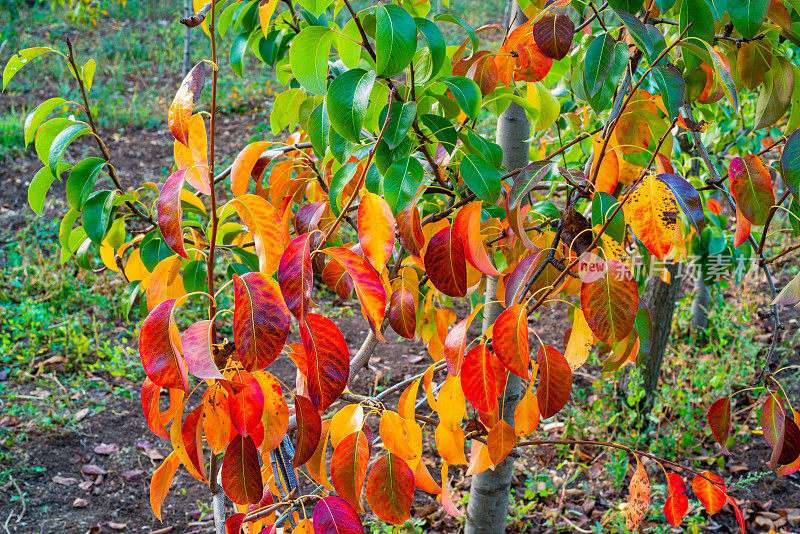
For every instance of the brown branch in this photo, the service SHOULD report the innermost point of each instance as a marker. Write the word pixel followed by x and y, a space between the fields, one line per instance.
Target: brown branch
pixel 198 18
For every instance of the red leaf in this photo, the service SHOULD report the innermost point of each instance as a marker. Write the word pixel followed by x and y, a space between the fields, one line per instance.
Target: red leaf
pixel 349 467
pixel 610 302
pixel 675 484
pixel 332 515
pixel 409 230
pixel 456 342
pixel 337 279
pixel 296 277
pixel 241 474
pixel 247 405
pixel 510 340
pixel 403 313
pixel 791 443
pixel 197 349
pixel 675 508
pixel 719 419
pixel 553 33
pixel 180 111
pixel 308 217
pixel 390 489
pixel 468 224
pixel 328 360
pixel 161 481
pixel 751 187
pixel 712 495
pixel 445 262
pixel 773 424
pixel 367 283
pixel 478 380
pixel 233 525
pixel 192 437
pixel 265 226
pixel 738 512
pixel 555 383
pixel 519 277
pixel 742 233
pixel 170 213
pixel 260 320
pixel 375 230
pixel 309 430
pixel 275 416
pixel 157 419
pixel 160 359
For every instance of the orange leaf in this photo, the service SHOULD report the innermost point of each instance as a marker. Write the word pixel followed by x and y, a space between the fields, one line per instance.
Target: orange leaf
pixel 264 224
pixel 526 414
pixel 216 418
pixel 456 342
pixel 390 489
pixel 194 158
pixel 639 499
pixel 376 230
pixel 510 340
pixel 468 224
pixel 402 437
pixel 501 440
pixel 711 491
pixel 675 508
pixel 243 166
pixel 349 467
pixel 555 384
pixel 275 417
pixel 180 111
pixel 447 502
pixel 161 481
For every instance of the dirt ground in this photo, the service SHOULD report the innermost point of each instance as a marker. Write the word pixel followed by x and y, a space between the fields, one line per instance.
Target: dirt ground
pixel 96 479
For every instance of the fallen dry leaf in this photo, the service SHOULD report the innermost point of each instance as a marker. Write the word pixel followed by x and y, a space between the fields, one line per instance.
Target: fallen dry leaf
pixel 106 448
pixel 80 503
pixel 65 481
pixel 132 475
pixel 93 470
pixel 80 415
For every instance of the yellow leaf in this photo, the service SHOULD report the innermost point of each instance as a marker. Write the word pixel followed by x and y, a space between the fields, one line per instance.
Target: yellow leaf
pixel 346 421
pixel 166 282
pixel 580 341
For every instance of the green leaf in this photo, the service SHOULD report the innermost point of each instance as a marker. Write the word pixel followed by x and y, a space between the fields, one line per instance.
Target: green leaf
pixel 341 148
pixel 347 43
pixel 318 128
pixel 466 93
pixel 67 223
pixel 435 41
pixel 285 109
pixel 62 140
pixel 45 135
pixel 401 117
pixel 317 7
pixel 482 178
pixel 81 181
pixel 37 191
pixel 395 39
pixel 340 179
pixel 96 217
pixel 400 183
pixel 129 297
pixel 630 6
pixel 37 116
pixel 87 72
pixel 603 205
pixel 776 93
pixel 790 163
pixel 458 21
pixel 238 50
pixel 748 16
pixel 385 157
pixel 442 129
pixel 599 60
pixel 22 58
pixel 308 57
pixel 672 88
pixel 485 149
pixel 698 14
pixel 153 249
pixel 638 32
pixel 348 99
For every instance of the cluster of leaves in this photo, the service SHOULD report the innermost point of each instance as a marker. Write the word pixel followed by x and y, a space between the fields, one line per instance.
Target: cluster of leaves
pixel 387 192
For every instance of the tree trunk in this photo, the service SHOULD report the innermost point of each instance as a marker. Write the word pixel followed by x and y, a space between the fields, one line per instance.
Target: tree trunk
pixel 488 500
pixel 188 10
pixel 700 304
pixel 660 299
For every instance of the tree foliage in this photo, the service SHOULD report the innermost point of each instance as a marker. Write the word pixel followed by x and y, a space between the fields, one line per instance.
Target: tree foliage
pixel 387 192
